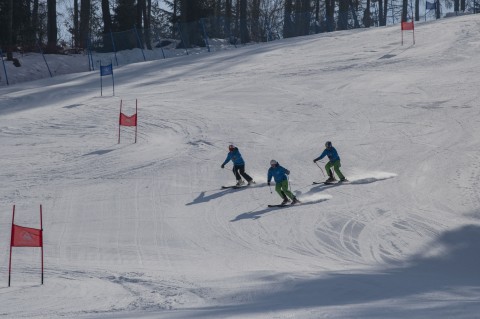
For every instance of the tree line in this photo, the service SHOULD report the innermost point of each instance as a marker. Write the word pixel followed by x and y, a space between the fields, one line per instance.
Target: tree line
pixel 33 24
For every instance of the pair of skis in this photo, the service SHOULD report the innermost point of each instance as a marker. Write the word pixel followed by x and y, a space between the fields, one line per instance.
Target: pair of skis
pixel 237 186
pixel 331 183
pixel 284 205
pixel 271 206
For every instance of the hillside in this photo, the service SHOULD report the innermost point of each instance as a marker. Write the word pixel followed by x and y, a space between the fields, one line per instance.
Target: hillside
pixel 145 231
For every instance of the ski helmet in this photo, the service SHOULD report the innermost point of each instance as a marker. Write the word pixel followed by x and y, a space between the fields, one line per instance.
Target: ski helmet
pixel 273 162
pixel 328 144
pixel 231 147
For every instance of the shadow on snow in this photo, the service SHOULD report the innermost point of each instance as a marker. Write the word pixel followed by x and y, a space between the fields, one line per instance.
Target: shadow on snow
pixel 256 214
pixel 427 279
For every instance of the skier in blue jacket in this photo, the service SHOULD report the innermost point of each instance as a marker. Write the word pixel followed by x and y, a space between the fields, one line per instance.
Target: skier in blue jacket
pixel 238 165
pixel 333 161
pixel 279 175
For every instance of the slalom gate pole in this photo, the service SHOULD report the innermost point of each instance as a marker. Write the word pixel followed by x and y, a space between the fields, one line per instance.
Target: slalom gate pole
pixel 119 121
pixel 113 79
pixel 11 242
pixel 136 119
pixel 41 229
pixel 101 82
pixel 321 169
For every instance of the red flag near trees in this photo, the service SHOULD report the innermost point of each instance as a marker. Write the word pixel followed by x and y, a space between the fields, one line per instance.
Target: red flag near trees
pixel 406 26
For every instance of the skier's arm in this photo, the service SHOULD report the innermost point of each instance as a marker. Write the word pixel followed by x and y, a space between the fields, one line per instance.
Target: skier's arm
pixel 324 153
pixel 229 157
pixel 269 178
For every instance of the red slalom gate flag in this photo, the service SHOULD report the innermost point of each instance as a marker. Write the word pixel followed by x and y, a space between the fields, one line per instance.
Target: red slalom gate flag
pixel 26 237
pixel 407 26
pixel 128 120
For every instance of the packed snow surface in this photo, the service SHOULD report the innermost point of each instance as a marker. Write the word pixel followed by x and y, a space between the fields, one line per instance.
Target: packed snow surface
pixel 144 230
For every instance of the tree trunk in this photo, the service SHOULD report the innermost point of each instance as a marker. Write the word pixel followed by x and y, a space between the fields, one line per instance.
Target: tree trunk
pixel 404 10
pixel 146 23
pixel 51 26
pixel 380 13
pixel 107 17
pixel 107 26
pixel 84 22
pixel 306 13
pixel 256 30
pixel 367 21
pixel 417 10
pixel 228 18
pixel 76 31
pixel 317 16
pixel 329 14
pixel 342 23
pixel 287 20
pixel 244 36
pixel 385 11
pixel 10 31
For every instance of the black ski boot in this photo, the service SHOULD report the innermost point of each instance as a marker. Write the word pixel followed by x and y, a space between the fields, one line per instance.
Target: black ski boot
pixel 330 180
pixel 285 201
pixel 295 201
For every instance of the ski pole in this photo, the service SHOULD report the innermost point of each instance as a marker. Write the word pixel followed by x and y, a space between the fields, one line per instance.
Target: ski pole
pixel 321 169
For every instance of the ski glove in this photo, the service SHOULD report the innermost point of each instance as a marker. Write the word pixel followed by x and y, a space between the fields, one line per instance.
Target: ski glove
pixel 268 183
pixel 223 166
pixel 287 172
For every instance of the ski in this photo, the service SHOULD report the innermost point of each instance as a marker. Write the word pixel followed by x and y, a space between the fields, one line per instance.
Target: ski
pixel 233 186
pixel 330 183
pixel 285 205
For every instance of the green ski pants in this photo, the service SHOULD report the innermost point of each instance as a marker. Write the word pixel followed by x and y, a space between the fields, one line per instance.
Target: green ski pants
pixel 282 189
pixel 336 166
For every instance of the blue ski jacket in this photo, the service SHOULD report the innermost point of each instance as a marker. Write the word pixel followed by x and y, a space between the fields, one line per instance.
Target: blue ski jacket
pixel 235 157
pixel 278 173
pixel 331 153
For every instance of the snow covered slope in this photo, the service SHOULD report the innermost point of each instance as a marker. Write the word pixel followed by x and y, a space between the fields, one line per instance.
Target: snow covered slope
pixel 144 231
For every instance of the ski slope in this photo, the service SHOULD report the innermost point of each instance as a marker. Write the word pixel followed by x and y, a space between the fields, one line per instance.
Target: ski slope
pixel 145 231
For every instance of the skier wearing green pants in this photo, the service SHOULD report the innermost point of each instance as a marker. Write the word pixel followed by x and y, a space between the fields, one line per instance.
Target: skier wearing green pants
pixel 279 175
pixel 333 161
